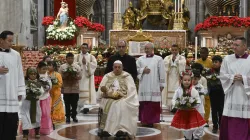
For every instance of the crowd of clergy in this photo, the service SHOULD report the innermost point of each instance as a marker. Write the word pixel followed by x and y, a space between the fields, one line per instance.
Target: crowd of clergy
pixel 219 84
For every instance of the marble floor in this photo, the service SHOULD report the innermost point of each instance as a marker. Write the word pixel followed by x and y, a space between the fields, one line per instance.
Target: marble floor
pixel 86 129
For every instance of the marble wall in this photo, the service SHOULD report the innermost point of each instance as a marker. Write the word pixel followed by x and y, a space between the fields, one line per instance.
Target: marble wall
pixel 15 16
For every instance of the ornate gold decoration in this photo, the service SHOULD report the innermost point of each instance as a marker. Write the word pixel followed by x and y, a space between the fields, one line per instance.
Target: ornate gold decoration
pixel 117 25
pixel 140 36
pixel 156 12
pixel 131 18
pixel 174 37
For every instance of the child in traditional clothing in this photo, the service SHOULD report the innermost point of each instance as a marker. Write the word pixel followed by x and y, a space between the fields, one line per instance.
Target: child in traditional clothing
pixel 46 123
pixel 57 109
pixel 186 99
pixel 216 92
pixel 71 74
pixel 30 109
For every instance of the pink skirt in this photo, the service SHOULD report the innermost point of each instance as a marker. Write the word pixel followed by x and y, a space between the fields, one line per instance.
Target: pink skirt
pixel 46 122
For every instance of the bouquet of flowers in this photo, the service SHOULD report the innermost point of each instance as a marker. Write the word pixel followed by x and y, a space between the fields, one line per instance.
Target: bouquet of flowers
pixel 54 80
pixel 212 78
pixel 185 102
pixel 70 71
pixel 34 90
pixel 45 83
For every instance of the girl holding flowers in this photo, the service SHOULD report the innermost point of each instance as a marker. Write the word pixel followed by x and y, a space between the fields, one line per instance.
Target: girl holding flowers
pixel 30 109
pixel 186 99
pixel 57 109
pixel 46 123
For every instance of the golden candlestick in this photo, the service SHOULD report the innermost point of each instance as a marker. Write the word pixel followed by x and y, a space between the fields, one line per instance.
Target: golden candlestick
pixel 117 25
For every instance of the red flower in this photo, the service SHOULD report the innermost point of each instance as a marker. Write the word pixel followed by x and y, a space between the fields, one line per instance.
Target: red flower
pixel 48 21
pixel 222 21
pixel 97 27
pixel 82 22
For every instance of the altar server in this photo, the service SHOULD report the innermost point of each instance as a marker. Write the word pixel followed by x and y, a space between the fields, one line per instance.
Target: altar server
pixel 88 65
pixel 174 65
pixel 12 86
pixel 152 80
pixel 234 76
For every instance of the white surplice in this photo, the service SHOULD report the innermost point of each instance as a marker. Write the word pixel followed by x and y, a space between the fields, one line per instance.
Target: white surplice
pixel 123 113
pixel 87 83
pixel 11 84
pixel 173 70
pixel 237 94
pixel 149 84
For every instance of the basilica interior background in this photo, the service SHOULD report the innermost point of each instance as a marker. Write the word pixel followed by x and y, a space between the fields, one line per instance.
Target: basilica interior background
pixel 25 17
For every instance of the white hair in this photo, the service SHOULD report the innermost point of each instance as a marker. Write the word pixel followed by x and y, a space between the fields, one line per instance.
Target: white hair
pixel 150 43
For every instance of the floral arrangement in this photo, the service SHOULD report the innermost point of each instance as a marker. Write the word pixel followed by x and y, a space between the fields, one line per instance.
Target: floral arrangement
pixel 221 21
pixel 54 80
pixel 96 27
pixel 54 32
pixel 45 83
pixel 185 102
pixel 49 50
pixel 70 71
pixel 34 90
pixel 48 21
pixel 82 22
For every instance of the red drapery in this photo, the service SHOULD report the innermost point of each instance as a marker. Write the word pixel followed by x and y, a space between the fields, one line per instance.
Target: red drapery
pixel 72 14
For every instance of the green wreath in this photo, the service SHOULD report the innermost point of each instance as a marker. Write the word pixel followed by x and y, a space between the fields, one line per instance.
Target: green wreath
pixel 55 33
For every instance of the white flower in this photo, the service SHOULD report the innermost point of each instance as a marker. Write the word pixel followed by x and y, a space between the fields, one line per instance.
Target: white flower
pixel 191 100
pixel 183 101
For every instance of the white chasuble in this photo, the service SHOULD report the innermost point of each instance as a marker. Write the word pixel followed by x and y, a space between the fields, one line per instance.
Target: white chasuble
pixel 237 93
pixel 149 84
pixel 173 70
pixel 87 83
pixel 121 114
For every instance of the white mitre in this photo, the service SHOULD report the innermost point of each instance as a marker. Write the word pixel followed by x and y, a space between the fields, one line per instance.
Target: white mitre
pixel 118 62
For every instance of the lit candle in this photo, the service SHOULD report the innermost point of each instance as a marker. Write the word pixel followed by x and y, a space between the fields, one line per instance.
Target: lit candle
pixel 81 39
pixel 196 43
pixel 114 6
pixel 181 5
pixel 175 5
pixel 16 40
pixel 178 4
pixel 119 4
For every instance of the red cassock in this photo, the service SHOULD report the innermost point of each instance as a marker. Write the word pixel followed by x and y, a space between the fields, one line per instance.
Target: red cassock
pixel 187 120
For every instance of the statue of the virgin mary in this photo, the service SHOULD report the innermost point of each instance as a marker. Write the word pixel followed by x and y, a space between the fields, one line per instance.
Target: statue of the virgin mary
pixel 63 15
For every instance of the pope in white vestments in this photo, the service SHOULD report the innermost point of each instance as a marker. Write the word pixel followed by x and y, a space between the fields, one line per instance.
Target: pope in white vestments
pixel 119 102
pixel 151 75
pixel 235 80
pixel 174 65
pixel 88 65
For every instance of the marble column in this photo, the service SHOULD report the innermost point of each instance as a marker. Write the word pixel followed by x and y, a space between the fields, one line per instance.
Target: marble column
pixel 192 7
pixel 108 19
pixel 201 11
pixel 41 32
